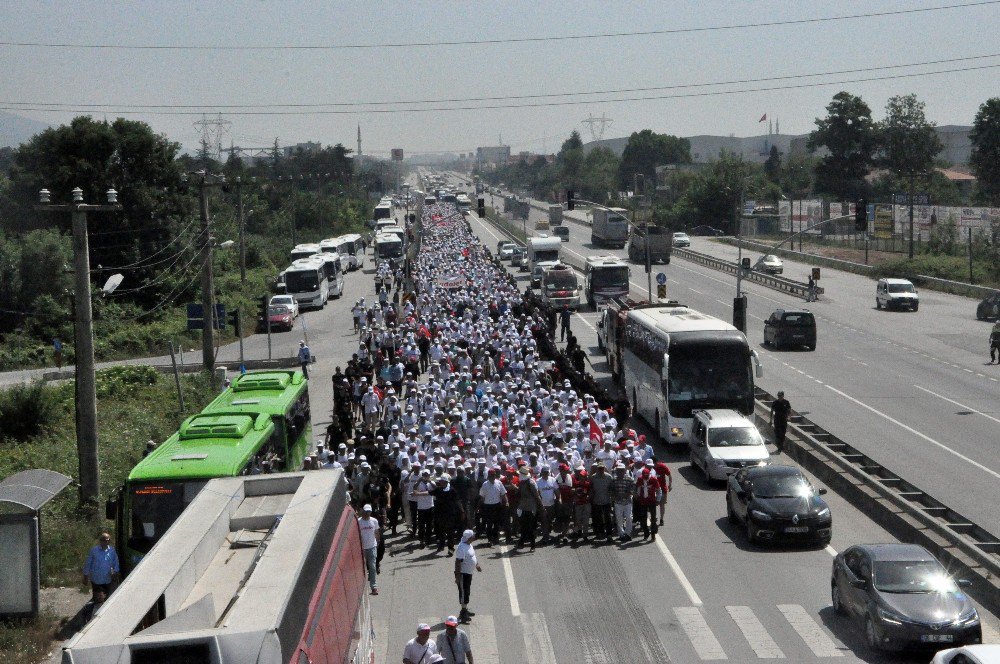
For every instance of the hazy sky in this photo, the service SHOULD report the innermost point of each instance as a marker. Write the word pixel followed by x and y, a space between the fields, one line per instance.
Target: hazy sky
pixel 208 78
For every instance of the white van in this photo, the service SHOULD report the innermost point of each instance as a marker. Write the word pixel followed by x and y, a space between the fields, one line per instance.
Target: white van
pixel 896 293
pixel 723 441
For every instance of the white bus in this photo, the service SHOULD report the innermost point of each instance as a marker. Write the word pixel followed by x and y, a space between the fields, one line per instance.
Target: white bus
pixel 676 360
pixel 388 247
pixel 334 268
pixel 605 277
pixel 305 279
pixel 305 251
pixel 464 203
pixel 352 244
pixel 383 210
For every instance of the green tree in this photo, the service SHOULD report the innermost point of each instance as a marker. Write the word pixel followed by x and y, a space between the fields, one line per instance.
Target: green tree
pixel 849 136
pixel 772 167
pixel 907 140
pixel 570 162
pixel 985 157
pixel 646 150
pixel 600 175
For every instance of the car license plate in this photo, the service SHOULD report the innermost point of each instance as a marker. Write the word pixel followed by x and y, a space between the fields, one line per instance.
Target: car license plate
pixel 797 529
pixel 936 638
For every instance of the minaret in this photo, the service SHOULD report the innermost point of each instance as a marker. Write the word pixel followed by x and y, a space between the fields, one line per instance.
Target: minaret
pixel 359 145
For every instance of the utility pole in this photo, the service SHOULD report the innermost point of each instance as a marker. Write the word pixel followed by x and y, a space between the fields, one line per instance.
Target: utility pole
pixel 85 373
pixel 912 174
pixel 243 262
pixel 207 281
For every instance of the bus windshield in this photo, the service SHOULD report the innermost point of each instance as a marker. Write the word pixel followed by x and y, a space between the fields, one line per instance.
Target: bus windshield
pixel 301 282
pixel 560 280
pixel 709 376
pixel 546 255
pixel 607 277
pixel 155 507
pixel 389 249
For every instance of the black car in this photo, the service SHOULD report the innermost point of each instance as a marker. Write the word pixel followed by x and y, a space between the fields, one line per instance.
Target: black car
pixel 904 598
pixel 705 230
pixel 778 503
pixel 790 328
pixel 989 307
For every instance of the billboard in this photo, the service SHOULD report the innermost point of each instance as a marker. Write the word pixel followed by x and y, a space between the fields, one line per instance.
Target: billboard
pixel 798 215
pixel 926 217
pixel 883 226
pixel 397 154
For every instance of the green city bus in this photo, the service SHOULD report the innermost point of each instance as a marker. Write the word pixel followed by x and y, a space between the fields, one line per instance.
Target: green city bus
pixel 260 424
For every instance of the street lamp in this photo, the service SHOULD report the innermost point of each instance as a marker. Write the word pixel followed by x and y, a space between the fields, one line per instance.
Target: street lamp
pixel 83 328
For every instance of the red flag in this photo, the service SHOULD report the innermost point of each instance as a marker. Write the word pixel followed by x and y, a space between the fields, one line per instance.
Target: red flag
pixel 596 435
pixel 424 332
pixel 379 392
pixel 762 118
pixel 503 428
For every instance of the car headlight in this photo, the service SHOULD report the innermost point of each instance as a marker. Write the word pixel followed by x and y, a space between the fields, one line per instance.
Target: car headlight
pixel 760 516
pixel 823 512
pixel 970 617
pixel 890 616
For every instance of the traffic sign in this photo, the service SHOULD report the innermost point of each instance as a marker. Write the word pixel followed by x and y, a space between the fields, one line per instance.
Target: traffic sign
pixel 196 318
pixel 661 291
pixel 918 199
pixel 661 278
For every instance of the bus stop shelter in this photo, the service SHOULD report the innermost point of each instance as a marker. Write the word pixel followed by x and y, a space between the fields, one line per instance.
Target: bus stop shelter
pixel 22 495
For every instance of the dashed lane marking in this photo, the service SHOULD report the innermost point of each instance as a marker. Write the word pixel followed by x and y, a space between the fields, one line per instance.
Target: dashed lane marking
pixel 755 634
pixel 960 405
pixel 508 573
pixel 537 644
pixel 699 633
pixel 678 572
pixel 810 631
pixel 916 433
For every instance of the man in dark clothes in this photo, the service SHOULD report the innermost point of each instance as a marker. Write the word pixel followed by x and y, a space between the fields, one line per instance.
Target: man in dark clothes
pixel 447 514
pixel 780 408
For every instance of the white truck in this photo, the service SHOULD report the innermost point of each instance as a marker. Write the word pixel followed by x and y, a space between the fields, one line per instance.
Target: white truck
pixel 560 286
pixel 609 227
pixel 555 214
pixel 543 252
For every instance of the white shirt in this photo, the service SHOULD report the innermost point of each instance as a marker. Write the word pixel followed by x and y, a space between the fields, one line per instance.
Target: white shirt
pixel 492 492
pixel 465 553
pixel 547 488
pixel 419 654
pixel 369 532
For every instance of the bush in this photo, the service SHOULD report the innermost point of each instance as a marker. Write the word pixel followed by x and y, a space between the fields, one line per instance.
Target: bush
pixel 26 410
pixel 121 380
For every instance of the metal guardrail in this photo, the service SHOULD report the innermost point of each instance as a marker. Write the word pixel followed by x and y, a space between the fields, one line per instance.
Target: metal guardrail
pixel 775 282
pixel 898 505
pixel 956 287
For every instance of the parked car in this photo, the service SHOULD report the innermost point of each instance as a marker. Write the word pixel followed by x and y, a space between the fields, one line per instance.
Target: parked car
pixel 989 307
pixel 280 317
pixel 505 250
pixel 771 264
pixel 778 503
pixel 903 597
pixel 790 328
pixel 704 230
pixel 286 300
pixel 896 293
pixel 681 240
pixel 561 232
pixel 984 653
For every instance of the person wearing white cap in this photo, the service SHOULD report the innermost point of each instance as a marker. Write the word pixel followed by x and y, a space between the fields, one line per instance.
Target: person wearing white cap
pixel 370 535
pixel 466 564
pixel 453 643
pixel 420 649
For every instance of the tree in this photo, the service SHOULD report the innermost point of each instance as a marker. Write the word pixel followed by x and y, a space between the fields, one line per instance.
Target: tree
pixel 646 150
pixel 772 167
pixel 985 158
pixel 600 175
pixel 570 161
pixel 907 140
pixel 849 135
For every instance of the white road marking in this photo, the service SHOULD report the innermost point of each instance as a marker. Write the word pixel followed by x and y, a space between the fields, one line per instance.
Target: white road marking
pixel 755 634
pixel 699 633
pixel 832 551
pixel 990 634
pixel 483 638
pixel 696 291
pixel 586 322
pixel 917 433
pixel 508 572
pixel 537 644
pixel 960 405
pixel 678 572
pixel 810 631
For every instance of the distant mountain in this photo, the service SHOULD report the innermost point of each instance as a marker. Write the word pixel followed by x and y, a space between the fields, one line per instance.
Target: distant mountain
pixel 15 129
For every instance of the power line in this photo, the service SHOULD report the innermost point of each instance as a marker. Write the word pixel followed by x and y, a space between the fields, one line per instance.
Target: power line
pixel 425 109
pixel 677 86
pixel 481 42
pixel 165 274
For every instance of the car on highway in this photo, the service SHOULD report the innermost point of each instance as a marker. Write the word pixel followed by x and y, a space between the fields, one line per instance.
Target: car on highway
pixel 561 232
pixel 770 264
pixel 896 294
pixel 681 240
pixel 285 300
pixel 790 328
pixel 778 503
pixel 505 250
pixel 989 308
pixel 705 230
pixel 903 597
pixel 280 317
pixel 983 653
pixel 518 258
pixel 723 441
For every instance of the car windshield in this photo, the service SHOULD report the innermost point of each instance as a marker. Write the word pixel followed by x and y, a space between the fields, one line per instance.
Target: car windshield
pixel 281 299
pixel 781 486
pixel 560 280
pixel 279 310
pixel 904 576
pixel 798 319
pixel 506 246
pixel 733 437
pixel 771 259
pixel 900 288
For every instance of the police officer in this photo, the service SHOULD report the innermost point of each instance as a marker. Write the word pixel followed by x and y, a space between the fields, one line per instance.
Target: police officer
pixel 780 408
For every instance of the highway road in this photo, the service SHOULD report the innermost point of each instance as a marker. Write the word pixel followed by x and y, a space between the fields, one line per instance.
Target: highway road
pixel 701 593
pixel 911 390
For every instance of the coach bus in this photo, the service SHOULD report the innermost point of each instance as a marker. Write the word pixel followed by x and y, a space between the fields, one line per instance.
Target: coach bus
pixel 354 249
pixel 676 360
pixel 305 251
pixel 265 569
pixel 306 279
pixel 260 424
pixel 605 277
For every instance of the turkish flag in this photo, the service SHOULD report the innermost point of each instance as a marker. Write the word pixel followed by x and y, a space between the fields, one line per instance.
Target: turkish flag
pixel 503 428
pixel 596 435
pixel 762 118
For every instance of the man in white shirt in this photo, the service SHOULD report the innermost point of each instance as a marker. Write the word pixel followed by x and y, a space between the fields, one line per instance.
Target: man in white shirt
pixel 369 528
pixel 421 648
pixel 492 496
pixel 549 492
pixel 465 564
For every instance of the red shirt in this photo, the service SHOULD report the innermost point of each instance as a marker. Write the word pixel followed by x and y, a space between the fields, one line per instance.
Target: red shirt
pixel 646 488
pixel 581 490
pixel 565 488
pixel 663 476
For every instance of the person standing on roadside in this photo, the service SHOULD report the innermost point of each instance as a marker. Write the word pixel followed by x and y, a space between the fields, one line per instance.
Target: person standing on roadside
pixel 780 408
pixel 421 648
pixel 565 316
pixel 466 564
pixel 453 643
pixel 57 350
pixel 304 358
pixel 995 343
pixel 370 536
pixel 101 569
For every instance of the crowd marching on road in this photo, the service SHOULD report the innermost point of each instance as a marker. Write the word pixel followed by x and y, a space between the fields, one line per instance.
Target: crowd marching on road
pixel 458 420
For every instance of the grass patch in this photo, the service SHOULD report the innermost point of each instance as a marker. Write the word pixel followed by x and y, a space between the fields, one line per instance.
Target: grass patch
pixel 27 641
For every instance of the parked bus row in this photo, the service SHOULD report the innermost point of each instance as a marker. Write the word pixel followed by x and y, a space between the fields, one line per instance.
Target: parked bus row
pixel 316 273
